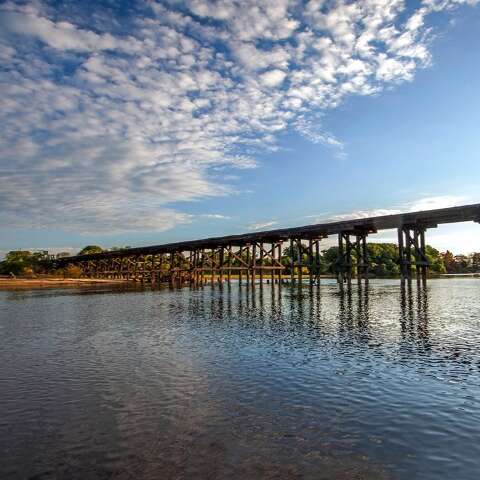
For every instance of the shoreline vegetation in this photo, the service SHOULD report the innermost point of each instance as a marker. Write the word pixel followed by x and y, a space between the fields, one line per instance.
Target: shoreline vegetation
pixel 24 269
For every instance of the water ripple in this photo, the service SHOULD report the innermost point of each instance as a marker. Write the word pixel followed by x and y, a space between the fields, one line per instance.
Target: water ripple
pixel 377 383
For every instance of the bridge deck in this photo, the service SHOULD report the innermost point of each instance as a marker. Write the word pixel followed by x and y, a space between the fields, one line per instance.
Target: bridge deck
pixel 428 219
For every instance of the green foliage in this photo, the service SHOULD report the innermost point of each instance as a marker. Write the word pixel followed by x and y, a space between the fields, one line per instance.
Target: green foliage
pixel 18 262
pixel 90 249
pixel 383 259
pixel 328 260
pixel 435 259
pixel 475 262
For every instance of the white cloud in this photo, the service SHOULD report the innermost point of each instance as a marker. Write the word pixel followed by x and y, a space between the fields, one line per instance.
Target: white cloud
pixel 105 128
pixel 421 204
pixel 262 225
pixel 216 216
pixel 62 35
pixel 272 78
pixel 441 201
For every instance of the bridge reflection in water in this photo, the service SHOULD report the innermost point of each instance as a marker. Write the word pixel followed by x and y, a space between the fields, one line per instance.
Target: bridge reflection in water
pixel 275 381
pixel 254 258
pixel 389 318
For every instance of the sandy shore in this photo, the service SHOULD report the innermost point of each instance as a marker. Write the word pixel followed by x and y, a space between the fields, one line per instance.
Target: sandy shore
pixel 25 283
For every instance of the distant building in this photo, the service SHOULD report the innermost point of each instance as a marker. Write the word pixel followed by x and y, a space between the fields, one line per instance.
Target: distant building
pixel 63 254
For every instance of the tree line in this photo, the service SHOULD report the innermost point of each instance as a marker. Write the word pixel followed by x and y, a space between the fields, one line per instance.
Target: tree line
pixel 383 260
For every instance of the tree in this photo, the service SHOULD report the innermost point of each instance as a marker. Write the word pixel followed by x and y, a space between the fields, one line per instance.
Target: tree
pixel 449 261
pixel 462 263
pixel 328 260
pixel 475 262
pixel 435 259
pixel 383 259
pixel 19 262
pixel 90 249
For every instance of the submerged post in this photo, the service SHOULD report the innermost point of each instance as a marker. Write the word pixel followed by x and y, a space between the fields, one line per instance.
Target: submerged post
pixel 348 260
pixel 425 265
pixel 280 270
pixel 340 260
pixel 317 260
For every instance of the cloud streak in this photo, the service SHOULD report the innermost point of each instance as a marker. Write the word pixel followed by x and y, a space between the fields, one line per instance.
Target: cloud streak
pixel 109 129
pixel 262 225
pixel 419 205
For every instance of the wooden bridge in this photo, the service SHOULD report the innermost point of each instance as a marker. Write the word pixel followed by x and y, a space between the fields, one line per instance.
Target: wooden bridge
pixel 257 257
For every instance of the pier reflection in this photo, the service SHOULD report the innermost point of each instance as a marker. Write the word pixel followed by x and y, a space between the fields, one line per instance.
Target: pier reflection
pixel 414 314
pixel 358 313
pixel 391 319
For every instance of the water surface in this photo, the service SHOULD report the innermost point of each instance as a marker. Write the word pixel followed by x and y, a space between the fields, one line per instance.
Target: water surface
pixel 381 383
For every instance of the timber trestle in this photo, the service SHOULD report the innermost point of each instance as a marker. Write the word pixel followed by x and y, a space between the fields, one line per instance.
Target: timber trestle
pixel 353 244
pixel 291 255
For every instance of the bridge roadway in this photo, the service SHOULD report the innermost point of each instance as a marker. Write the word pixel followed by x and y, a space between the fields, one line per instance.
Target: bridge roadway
pixel 261 252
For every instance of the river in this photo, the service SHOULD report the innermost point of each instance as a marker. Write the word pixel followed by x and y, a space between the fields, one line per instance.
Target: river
pixel 227 383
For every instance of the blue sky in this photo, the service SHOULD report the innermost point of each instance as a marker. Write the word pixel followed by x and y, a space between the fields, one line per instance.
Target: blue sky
pixel 146 122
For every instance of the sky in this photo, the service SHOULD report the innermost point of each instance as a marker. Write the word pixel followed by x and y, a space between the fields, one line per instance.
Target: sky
pixel 145 122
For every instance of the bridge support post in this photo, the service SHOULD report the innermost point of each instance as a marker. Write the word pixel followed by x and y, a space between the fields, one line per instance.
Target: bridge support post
pixel 261 261
pixel 254 264
pixel 279 256
pixel 317 261
pixel 346 250
pixel 344 260
pixel 222 266
pixel 292 263
pixel 313 260
pixel 412 251
pixel 240 269
pixel 299 261
pixel 363 261
pixel 340 259
pixel 272 262
pixel 310 261
pixel 196 271
pixel 214 265
pixel 301 256
pixel 248 264
pixel 229 261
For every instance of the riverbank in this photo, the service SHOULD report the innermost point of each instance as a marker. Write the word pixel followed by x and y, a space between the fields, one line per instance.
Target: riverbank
pixel 28 283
